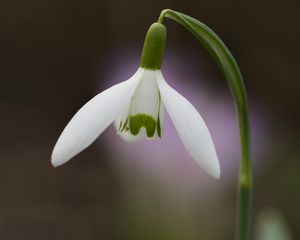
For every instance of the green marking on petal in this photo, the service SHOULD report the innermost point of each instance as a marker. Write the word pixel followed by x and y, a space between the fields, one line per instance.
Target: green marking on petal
pixel 158 120
pixel 158 127
pixel 120 125
pixel 142 120
pixel 124 126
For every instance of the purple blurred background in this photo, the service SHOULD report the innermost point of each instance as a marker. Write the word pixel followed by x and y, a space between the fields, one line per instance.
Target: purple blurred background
pixel 56 55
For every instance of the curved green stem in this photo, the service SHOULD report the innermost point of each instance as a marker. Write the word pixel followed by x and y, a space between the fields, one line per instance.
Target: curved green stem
pixel 235 81
pixel 163 14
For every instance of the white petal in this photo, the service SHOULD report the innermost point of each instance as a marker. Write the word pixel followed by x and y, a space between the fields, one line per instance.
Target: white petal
pixel 146 96
pixel 122 117
pixel 128 137
pixel 92 119
pixel 191 128
pixel 145 103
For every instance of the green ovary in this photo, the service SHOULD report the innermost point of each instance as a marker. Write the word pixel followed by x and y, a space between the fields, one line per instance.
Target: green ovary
pixel 138 121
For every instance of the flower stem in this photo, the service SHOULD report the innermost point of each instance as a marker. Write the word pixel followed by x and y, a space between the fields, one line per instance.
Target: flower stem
pixel 162 15
pixel 231 72
pixel 245 177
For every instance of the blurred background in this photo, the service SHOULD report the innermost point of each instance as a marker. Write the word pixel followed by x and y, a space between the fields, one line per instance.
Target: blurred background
pixel 56 55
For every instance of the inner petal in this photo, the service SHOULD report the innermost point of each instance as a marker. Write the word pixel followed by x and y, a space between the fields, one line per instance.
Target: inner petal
pixel 145 104
pixel 127 136
pixel 121 122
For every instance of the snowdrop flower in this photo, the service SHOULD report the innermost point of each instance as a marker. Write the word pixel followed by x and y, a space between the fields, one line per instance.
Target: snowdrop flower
pixel 137 108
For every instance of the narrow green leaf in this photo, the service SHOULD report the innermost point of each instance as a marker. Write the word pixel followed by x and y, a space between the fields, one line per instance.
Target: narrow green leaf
pixel 231 71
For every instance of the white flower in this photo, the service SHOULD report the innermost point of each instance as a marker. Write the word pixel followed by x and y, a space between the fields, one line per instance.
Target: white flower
pixel 137 107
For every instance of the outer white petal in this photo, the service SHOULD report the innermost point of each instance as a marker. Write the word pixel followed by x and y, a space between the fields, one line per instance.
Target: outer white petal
pixel 191 128
pixel 92 119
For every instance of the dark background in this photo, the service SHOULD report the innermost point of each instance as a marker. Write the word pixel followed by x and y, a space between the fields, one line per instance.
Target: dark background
pixel 56 55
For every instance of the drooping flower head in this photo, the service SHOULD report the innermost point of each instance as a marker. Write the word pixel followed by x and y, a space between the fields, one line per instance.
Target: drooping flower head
pixel 137 108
